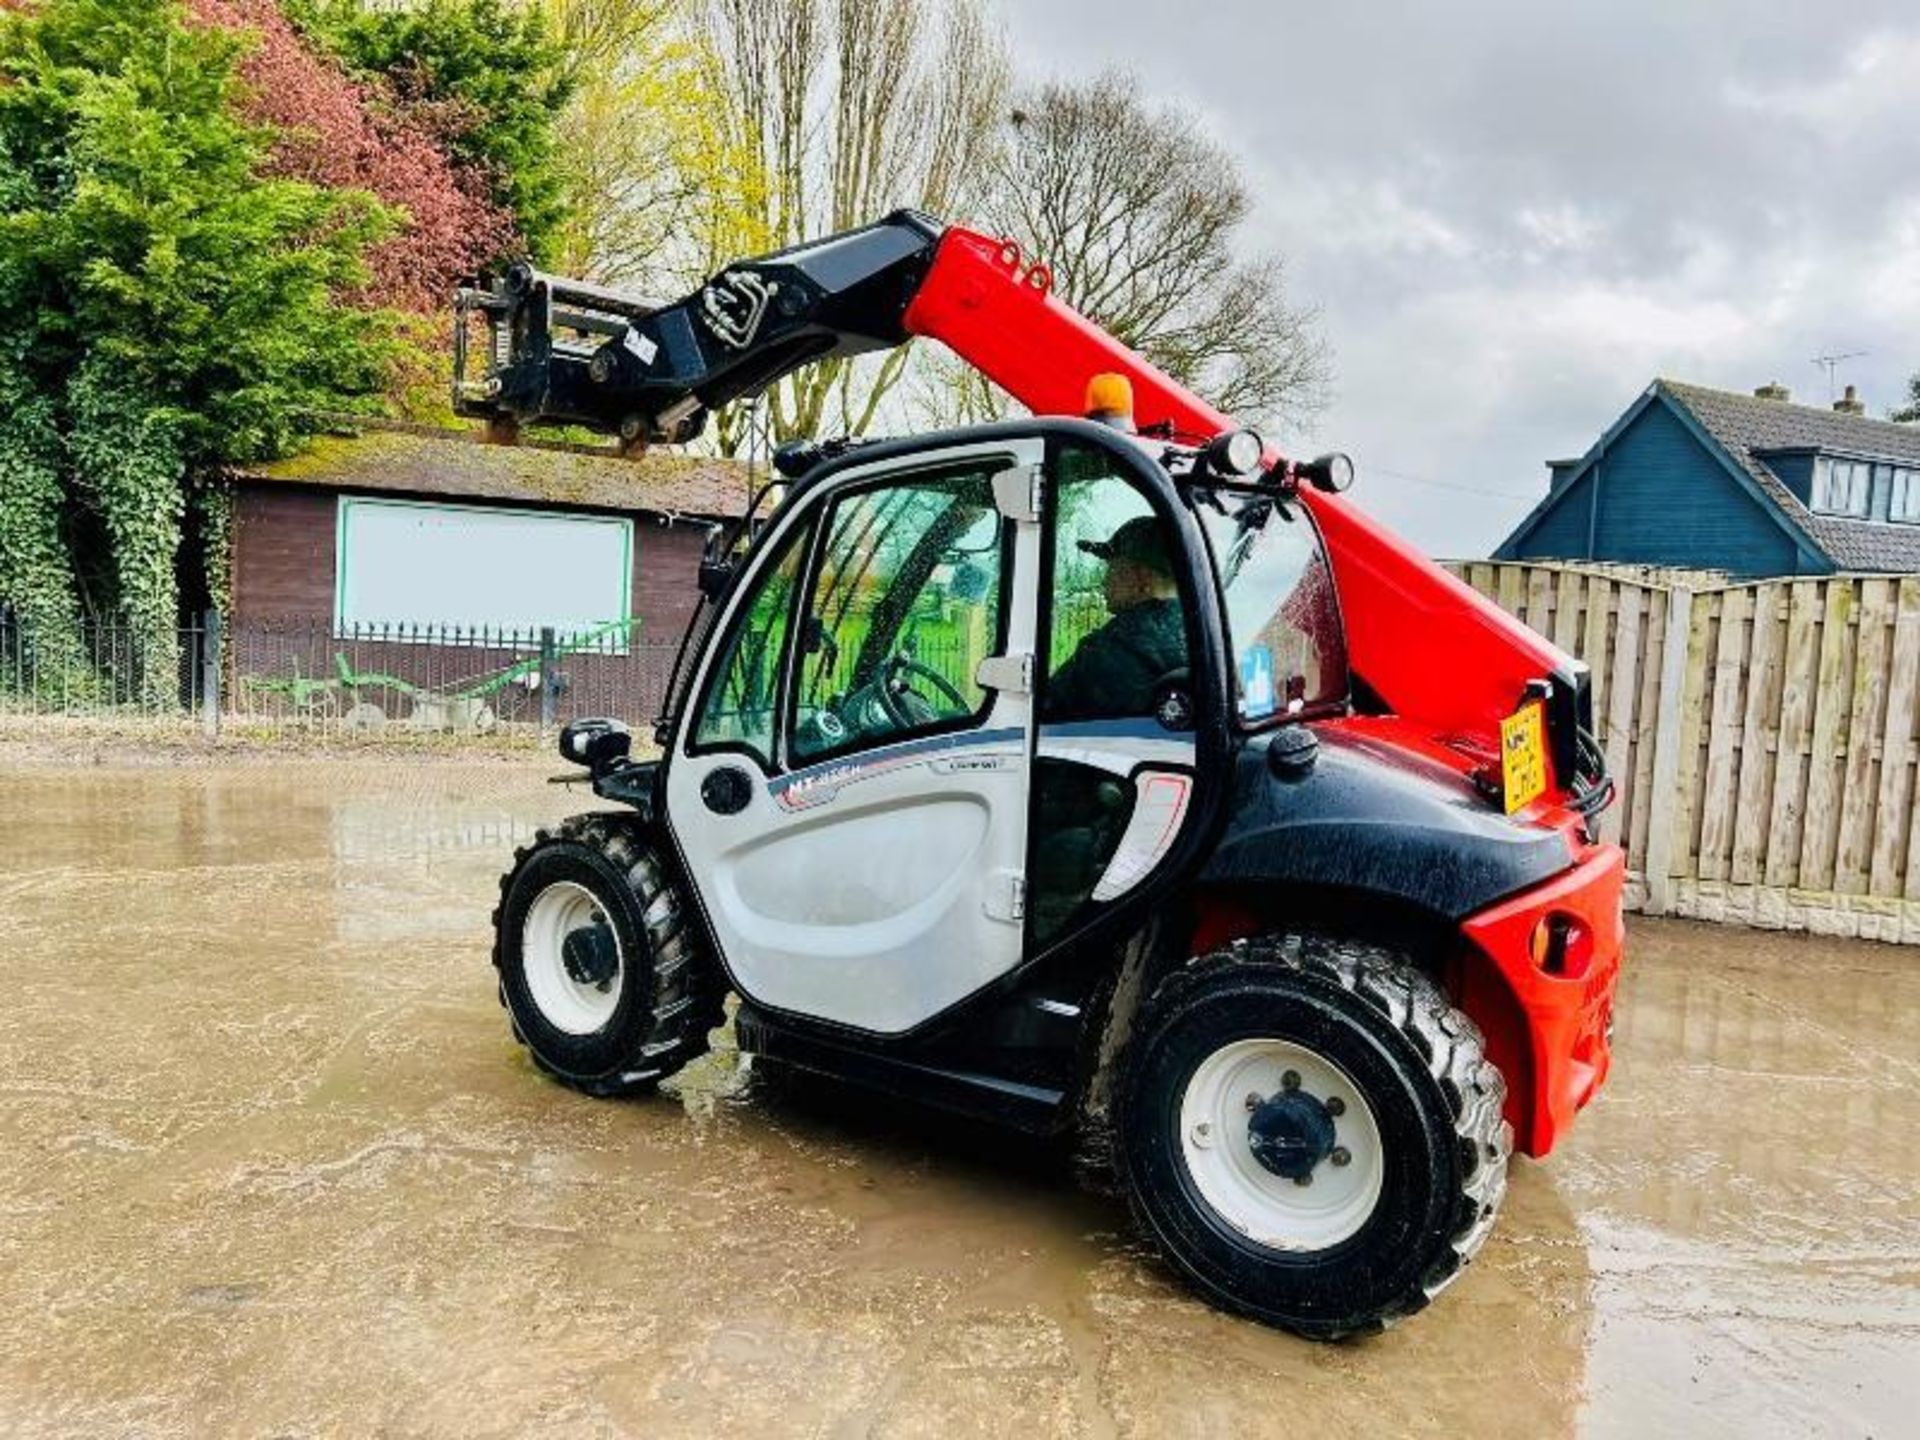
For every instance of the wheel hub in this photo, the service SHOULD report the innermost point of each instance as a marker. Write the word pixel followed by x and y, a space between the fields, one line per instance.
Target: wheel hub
pixel 1281 1144
pixel 591 954
pixel 571 958
pixel 1290 1134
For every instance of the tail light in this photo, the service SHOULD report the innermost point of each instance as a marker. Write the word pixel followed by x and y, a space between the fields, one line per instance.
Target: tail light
pixel 1561 946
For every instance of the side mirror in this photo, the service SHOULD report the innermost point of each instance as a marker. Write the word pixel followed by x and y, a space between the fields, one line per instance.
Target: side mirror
pixel 595 742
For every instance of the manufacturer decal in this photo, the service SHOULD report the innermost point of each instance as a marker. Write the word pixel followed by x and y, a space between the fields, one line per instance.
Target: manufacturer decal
pixel 960 764
pixel 804 789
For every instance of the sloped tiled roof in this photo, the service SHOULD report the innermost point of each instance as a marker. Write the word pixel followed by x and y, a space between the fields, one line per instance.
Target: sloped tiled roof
pixel 1747 427
pixel 460 464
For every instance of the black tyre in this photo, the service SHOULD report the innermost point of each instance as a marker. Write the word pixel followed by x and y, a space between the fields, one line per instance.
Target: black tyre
pixel 607 984
pixel 1311 1133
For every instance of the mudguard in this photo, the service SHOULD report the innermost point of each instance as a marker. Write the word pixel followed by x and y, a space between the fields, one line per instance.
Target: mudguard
pixel 1369 818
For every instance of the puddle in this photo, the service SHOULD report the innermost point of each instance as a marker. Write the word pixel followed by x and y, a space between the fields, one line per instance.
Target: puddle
pixel 270 1163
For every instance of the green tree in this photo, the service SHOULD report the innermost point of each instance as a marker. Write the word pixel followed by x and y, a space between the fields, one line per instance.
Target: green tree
pixel 488 76
pixel 644 163
pixel 1909 413
pixel 168 307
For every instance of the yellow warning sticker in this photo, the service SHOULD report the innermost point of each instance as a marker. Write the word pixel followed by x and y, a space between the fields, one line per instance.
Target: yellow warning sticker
pixel 1523 755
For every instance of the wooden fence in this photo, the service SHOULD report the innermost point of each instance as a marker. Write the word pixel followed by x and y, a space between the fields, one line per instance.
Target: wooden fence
pixel 1764 737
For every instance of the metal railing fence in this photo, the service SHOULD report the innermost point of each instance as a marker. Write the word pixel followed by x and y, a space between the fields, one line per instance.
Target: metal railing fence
pixel 303 674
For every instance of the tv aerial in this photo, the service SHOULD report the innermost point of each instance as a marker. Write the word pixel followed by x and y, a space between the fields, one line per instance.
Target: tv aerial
pixel 1831 363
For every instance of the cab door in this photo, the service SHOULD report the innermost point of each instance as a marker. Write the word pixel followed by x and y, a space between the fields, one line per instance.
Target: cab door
pixel 849 791
pixel 1117 701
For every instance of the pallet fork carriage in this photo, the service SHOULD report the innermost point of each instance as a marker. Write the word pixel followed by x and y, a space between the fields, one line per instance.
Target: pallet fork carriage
pixel 1280 884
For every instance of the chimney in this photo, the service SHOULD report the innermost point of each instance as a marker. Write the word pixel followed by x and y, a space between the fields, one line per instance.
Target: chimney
pixel 1774 390
pixel 1850 403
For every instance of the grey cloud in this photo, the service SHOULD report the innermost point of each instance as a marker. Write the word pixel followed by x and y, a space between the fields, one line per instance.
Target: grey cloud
pixel 1516 215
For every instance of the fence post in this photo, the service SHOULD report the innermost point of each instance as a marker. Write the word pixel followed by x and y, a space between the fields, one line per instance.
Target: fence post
pixel 210 675
pixel 1662 793
pixel 549 693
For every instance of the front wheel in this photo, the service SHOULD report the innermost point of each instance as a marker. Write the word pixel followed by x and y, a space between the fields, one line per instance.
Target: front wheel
pixel 607 982
pixel 1311 1133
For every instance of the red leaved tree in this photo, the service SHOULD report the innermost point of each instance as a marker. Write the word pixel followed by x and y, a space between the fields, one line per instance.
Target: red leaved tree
pixel 341 132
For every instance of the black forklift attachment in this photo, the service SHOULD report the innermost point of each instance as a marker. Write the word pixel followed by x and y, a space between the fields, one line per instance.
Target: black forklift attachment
pixel 560 351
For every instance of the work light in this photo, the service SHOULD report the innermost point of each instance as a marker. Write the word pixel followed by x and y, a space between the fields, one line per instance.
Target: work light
pixel 1235 452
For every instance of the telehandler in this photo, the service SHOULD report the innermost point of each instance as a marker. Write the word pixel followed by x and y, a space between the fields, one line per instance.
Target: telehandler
pixel 1111 776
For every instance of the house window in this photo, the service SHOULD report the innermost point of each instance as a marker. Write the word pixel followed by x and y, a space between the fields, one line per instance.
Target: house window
pixel 406 563
pixel 1843 487
pixel 1904 502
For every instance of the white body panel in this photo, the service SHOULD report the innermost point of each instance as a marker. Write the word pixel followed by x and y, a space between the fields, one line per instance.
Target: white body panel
pixel 879 888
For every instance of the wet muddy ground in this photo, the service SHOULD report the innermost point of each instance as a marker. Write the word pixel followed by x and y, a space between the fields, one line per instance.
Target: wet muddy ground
pixel 269 1165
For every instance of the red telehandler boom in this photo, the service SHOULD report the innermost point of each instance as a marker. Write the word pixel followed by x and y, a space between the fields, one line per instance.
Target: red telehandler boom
pixel 566 352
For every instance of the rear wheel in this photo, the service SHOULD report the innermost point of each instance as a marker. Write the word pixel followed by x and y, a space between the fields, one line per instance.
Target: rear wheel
pixel 1312 1133
pixel 608 987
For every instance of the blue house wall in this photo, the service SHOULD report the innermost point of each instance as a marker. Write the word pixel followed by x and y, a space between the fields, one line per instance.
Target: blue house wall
pixel 1656 495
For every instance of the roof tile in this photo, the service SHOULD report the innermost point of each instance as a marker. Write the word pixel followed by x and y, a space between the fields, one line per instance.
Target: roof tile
pixel 1746 425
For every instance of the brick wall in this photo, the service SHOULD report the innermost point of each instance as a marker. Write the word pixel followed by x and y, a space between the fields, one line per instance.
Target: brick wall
pixel 283 553
pixel 283 561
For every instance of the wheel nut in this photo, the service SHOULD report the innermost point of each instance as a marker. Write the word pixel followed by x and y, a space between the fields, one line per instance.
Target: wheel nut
pixel 1203 1134
pixel 1303 1179
pixel 1290 1080
pixel 1254 1102
pixel 1335 1105
pixel 1340 1155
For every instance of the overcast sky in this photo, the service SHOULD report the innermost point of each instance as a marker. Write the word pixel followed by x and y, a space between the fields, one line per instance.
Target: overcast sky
pixel 1515 216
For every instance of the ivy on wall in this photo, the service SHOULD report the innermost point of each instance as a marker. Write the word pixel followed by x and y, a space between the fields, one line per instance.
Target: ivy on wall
pixel 173 303
pixel 36 574
pixel 127 453
pixel 211 501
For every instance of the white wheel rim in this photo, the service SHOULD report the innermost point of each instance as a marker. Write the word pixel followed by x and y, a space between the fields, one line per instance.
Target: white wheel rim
pixel 566 1003
pixel 1270 1209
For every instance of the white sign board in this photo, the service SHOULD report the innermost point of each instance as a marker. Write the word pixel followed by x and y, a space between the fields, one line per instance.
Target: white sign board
pixel 403 562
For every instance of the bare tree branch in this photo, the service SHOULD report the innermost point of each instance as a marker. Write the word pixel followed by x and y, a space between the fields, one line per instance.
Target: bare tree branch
pixel 1139 215
pixel 848 109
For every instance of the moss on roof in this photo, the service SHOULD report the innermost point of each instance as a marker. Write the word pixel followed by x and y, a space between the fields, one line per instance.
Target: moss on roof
pixel 461 464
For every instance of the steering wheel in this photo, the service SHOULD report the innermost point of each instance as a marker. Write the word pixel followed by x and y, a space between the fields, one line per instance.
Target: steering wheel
pixel 894 692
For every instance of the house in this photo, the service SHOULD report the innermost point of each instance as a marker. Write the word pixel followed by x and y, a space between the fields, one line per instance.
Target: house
pixel 392 525
pixel 396 571
pixel 1753 485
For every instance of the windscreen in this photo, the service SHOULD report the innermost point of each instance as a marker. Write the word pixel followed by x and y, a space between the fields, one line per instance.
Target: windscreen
pixel 1282 613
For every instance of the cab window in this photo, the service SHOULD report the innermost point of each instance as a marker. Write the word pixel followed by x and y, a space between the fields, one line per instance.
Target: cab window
pixel 1117 650
pixel 738 711
pixel 907 600
pixel 1281 609
pixel 1118 638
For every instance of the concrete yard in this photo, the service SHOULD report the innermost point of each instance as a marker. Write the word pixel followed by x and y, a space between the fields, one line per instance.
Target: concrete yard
pixel 271 1165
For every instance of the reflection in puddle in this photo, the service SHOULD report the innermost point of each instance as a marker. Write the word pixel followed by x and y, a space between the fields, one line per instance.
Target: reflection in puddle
pixel 289 1172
